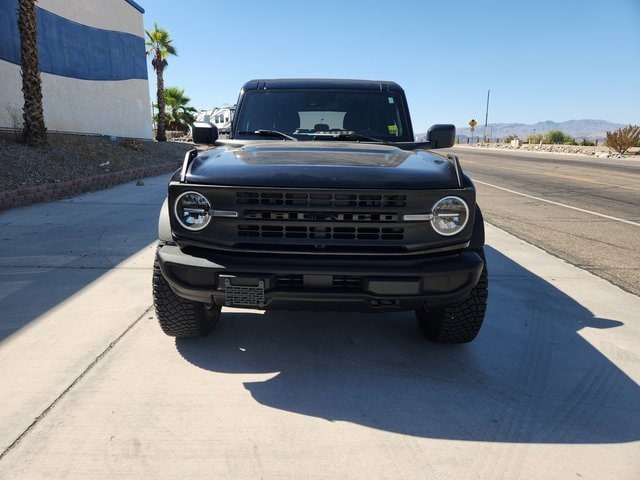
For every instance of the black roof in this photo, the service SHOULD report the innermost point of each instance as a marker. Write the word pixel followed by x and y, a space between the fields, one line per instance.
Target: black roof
pixel 319 83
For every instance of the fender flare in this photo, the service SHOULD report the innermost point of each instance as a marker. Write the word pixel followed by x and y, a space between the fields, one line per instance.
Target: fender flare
pixel 164 224
pixel 477 236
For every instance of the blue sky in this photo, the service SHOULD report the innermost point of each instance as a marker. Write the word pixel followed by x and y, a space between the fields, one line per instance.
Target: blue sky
pixel 542 60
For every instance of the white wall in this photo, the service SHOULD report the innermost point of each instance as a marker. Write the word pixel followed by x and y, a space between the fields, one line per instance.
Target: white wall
pixel 106 14
pixel 121 108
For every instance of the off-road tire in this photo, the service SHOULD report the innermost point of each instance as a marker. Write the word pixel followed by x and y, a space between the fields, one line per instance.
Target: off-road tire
pixel 177 316
pixel 457 323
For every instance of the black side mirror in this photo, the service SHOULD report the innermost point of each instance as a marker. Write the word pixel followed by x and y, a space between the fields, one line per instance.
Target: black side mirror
pixel 204 132
pixel 441 136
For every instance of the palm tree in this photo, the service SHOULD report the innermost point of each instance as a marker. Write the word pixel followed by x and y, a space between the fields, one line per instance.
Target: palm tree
pixel 159 46
pixel 180 113
pixel 34 132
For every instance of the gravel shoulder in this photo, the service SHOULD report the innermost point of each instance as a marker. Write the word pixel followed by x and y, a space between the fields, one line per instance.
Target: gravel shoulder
pixel 576 150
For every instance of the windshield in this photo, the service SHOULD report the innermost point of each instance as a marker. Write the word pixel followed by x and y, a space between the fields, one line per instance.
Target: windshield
pixel 325 114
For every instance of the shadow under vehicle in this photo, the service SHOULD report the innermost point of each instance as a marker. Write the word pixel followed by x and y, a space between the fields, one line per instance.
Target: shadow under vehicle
pixel 530 377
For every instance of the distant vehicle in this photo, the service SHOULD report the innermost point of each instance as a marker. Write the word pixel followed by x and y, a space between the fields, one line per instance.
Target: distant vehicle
pixel 222 118
pixel 204 115
pixel 321 199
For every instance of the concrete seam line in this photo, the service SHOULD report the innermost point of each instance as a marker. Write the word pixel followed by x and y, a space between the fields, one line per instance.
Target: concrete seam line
pixel 629 222
pixel 73 384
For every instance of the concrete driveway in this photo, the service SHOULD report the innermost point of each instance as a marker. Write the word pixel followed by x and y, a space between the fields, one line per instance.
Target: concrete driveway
pixel 91 388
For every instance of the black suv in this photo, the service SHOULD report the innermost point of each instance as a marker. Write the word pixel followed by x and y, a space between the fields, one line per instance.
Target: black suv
pixel 321 199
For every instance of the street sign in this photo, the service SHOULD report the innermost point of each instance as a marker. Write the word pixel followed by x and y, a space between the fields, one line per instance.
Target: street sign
pixel 473 123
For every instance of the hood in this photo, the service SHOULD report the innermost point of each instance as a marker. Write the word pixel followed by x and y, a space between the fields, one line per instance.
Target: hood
pixel 323 165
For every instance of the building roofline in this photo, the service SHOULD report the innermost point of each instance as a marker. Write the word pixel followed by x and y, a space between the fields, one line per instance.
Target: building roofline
pixel 135 5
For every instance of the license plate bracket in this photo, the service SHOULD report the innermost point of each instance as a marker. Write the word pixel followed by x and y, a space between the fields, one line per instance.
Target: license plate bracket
pixel 243 295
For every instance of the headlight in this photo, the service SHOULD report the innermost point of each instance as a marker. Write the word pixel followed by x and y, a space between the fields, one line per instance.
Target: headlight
pixel 450 216
pixel 192 211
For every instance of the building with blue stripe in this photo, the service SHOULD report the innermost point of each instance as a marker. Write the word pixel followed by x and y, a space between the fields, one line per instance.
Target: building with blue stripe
pixel 93 64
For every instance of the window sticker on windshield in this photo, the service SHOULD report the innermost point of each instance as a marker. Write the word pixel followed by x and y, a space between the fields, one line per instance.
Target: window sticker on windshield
pixel 390 100
pixel 393 129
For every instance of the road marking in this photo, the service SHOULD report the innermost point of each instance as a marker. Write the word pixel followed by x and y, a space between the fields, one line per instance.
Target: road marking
pixel 557 175
pixel 609 217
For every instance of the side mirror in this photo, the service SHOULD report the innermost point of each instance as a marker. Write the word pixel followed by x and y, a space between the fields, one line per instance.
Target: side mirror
pixel 441 136
pixel 204 132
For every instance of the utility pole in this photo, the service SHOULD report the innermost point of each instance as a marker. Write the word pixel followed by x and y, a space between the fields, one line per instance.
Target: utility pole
pixel 486 117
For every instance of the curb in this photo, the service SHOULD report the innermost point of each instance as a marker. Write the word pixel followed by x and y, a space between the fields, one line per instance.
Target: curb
pixel 47 192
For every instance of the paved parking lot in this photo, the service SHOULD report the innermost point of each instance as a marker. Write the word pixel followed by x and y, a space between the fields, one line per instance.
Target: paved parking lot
pixel 93 389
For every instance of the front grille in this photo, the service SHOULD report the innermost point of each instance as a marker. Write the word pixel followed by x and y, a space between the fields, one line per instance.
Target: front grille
pixel 320 232
pixel 320 221
pixel 301 199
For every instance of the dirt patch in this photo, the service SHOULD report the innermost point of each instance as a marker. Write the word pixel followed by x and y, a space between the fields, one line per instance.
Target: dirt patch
pixel 74 157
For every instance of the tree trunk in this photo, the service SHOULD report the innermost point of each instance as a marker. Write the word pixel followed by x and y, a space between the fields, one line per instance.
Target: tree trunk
pixel 35 132
pixel 161 135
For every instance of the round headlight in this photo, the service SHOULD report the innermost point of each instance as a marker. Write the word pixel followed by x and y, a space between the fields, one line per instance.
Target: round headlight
pixel 192 211
pixel 450 216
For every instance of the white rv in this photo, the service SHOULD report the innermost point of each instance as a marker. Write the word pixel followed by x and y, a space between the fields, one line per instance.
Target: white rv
pixel 222 118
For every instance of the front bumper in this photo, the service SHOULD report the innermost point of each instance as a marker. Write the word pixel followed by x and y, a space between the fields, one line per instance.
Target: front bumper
pixel 317 282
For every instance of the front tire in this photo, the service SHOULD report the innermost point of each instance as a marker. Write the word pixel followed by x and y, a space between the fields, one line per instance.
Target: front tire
pixel 177 316
pixel 457 323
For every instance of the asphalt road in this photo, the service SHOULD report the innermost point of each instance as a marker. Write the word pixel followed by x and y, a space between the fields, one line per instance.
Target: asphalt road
pixel 91 388
pixel 581 209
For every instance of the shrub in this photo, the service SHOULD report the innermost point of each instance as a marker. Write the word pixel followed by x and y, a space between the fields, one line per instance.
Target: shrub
pixel 509 138
pixel 587 143
pixel 16 122
pixel 534 138
pixel 556 136
pixel 624 138
pixel 133 144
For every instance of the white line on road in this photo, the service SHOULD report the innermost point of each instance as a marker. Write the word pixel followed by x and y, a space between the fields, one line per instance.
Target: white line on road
pixel 629 222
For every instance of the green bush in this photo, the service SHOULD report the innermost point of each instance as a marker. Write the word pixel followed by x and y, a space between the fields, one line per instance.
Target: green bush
pixel 587 143
pixel 534 138
pixel 558 137
pixel 509 138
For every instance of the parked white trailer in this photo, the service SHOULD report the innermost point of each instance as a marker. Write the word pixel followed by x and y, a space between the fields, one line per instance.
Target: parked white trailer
pixel 222 118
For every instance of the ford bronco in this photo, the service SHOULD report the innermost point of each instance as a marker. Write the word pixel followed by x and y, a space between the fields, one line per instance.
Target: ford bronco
pixel 322 199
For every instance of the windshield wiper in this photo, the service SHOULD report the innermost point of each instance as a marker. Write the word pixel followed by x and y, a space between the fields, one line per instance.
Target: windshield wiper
pixel 270 133
pixel 347 135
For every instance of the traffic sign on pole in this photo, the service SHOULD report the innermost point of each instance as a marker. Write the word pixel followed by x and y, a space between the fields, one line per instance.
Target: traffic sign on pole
pixel 472 124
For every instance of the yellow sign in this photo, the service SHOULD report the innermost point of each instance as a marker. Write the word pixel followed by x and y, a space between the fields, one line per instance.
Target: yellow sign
pixel 473 123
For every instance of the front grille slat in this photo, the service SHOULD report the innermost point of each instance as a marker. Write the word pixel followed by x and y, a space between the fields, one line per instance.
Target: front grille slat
pixel 289 281
pixel 320 233
pixel 347 282
pixel 318 216
pixel 302 199
pixel 338 282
